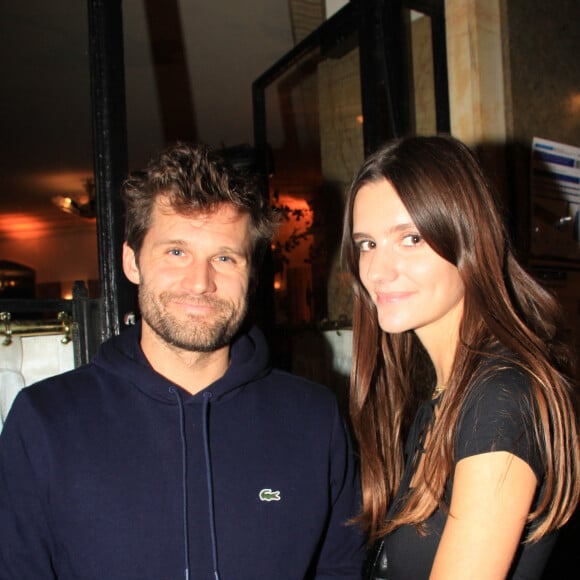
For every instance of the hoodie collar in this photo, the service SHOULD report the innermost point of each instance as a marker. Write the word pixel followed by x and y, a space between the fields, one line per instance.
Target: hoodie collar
pixel 122 355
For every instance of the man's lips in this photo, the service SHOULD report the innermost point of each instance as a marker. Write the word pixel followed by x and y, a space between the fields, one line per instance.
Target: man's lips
pixel 194 305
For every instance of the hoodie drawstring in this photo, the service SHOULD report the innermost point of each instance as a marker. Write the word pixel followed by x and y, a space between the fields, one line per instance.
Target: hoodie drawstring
pixel 209 480
pixel 210 504
pixel 183 479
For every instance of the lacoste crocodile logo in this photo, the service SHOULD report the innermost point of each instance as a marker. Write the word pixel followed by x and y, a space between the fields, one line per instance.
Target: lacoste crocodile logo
pixel 268 495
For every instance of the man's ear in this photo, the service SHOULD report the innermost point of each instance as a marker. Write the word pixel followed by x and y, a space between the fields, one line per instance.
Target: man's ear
pixel 130 264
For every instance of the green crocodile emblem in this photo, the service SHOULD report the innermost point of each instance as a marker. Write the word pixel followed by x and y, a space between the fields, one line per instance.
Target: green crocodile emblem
pixel 268 495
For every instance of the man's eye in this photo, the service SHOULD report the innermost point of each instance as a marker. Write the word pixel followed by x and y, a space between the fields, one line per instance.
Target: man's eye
pixel 224 259
pixel 176 252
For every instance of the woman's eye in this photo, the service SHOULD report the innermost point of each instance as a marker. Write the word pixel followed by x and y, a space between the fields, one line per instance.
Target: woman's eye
pixel 365 245
pixel 412 240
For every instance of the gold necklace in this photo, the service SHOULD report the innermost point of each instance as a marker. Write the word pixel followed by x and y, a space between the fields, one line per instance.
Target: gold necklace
pixel 439 389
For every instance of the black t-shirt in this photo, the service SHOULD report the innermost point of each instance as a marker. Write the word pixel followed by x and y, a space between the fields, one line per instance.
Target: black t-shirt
pixel 497 416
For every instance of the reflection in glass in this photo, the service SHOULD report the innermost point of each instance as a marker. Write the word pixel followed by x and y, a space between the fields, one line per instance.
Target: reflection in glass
pixel 422 84
pixel 46 146
pixel 315 133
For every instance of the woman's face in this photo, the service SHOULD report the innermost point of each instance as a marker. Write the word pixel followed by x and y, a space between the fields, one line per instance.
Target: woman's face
pixel 412 286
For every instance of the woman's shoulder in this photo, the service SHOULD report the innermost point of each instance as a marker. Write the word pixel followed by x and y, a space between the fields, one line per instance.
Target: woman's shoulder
pixel 500 378
pixel 498 413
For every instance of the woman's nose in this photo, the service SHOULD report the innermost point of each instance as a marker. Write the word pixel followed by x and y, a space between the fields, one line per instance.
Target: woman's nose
pixel 382 266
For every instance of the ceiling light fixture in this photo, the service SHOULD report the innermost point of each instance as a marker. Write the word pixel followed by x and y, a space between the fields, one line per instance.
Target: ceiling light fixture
pixel 83 206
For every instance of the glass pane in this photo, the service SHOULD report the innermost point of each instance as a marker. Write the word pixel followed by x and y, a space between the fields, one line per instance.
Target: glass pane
pixel 315 132
pixel 422 86
pixel 47 224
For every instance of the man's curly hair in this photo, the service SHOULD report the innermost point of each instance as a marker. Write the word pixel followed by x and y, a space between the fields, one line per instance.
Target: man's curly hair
pixel 194 178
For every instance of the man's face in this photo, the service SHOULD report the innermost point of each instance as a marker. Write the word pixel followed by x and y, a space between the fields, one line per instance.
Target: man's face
pixel 193 274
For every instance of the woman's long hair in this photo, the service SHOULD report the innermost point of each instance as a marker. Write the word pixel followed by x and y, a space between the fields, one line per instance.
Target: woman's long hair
pixel 454 208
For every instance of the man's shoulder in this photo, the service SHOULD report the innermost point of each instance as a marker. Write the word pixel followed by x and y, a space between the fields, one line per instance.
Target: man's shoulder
pixel 293 392
pixel 64 388
pixel 73 376
pixel 288 381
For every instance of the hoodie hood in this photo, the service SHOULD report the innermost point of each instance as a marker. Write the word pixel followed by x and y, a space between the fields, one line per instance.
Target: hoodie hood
pixel 122 356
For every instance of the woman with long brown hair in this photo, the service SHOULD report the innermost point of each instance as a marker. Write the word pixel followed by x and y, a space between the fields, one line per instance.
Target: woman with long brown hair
pixel 462 397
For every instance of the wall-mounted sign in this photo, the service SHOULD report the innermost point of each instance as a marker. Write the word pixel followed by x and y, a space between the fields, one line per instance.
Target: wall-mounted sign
pixel 555 197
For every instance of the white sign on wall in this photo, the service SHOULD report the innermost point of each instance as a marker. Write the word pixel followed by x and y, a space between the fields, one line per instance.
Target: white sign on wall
pixel 555 197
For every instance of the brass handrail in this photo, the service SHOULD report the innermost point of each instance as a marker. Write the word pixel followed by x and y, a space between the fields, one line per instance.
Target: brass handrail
pixel 62 325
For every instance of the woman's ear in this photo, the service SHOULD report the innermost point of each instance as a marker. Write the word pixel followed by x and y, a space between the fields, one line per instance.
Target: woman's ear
pixel 130 264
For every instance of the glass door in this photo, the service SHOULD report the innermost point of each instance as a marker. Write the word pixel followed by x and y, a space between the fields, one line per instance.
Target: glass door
pixel 373 71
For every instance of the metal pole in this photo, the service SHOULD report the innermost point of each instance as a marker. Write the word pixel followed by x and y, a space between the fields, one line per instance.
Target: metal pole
pixel 110 156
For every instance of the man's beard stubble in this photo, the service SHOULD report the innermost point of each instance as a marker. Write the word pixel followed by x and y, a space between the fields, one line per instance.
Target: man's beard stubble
pixel 197 333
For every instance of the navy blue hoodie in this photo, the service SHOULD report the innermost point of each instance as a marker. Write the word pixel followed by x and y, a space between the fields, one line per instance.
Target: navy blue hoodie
pixel 112 472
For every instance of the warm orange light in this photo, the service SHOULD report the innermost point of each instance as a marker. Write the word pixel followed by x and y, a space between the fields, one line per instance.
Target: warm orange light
pixel 66 287
pixel 60 182
pixel 294 203
pixel 299 219
pixel 574 104
pixel 20 226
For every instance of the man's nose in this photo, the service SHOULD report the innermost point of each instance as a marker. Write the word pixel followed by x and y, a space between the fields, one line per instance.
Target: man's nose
pixel 199 278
